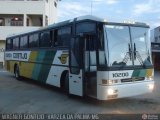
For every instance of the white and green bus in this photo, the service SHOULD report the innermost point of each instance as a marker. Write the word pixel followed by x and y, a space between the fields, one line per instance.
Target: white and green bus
pixel 85 56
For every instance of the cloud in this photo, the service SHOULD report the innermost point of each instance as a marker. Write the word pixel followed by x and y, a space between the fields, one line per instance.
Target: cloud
pixel 152 6
pixel 70 10
pixel 111 2
pixel 119 11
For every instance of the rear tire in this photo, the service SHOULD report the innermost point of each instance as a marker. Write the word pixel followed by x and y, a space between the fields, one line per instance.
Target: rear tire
pixel 16 73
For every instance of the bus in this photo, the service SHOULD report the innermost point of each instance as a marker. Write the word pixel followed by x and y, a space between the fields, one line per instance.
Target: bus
pixel 85 56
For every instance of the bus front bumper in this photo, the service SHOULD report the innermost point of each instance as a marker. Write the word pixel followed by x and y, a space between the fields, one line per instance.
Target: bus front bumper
pixel 124 90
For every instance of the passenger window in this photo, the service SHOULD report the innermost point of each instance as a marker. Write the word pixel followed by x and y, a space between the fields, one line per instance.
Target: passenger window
pixel 62 36
pixel 9 44
pixel 45 39
pixel 24 42
pixel 34 40
pixel 16 43
pixel 85 27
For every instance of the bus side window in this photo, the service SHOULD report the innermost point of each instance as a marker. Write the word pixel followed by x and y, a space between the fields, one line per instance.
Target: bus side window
pixel 85 27
pixel 55 38
pixel 66 36
pixel 90 54
pixel 45 39
pixel 101 51
pixel 9 44
pixel 34 40
pixel 62 36
pixel 24 42
pixel 16 43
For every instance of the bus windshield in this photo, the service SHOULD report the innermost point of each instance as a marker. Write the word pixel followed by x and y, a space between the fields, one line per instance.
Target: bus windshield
pixel 127 46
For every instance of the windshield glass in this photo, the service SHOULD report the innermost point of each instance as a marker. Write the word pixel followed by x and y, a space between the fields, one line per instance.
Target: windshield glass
pixel 141 46
pixel 118 45
pixel 127 46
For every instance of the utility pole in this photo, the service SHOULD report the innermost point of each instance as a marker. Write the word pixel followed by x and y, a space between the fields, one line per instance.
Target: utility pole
pixel 91 6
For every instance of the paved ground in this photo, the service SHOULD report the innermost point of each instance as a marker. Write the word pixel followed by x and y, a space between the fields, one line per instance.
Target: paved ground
pixel 29 97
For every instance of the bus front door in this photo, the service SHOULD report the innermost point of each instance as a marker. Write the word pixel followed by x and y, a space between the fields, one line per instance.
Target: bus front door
pixel 76 71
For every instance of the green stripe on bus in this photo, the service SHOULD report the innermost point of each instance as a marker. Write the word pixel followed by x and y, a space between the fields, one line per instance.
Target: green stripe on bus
pixel 37 68
pixel 139 73
pixel 45 68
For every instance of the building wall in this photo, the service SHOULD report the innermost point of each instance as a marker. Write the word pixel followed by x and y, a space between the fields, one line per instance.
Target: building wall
pixel 22 7
pixel 155 43
pixel 51 11
pixel 2 48
pixel 7 30
pixel 155 35
pixel 34 14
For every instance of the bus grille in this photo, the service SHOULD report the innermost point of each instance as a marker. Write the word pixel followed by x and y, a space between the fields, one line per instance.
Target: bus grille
pixel 133 79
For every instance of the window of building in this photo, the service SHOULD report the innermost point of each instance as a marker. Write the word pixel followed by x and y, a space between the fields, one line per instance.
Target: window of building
pixel 46 20
pixel 55 4
pixel 16 43
pixel 45 39
pixel 24 42
pixel 2 22
pixel 34 40
pixel 156 39
pixel 63 37
pixel 16 21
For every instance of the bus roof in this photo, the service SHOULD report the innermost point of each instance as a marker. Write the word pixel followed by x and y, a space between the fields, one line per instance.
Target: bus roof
pixel 81 18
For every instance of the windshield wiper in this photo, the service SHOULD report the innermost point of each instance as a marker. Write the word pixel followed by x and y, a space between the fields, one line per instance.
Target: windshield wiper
pixel 127 57
pixel 138 56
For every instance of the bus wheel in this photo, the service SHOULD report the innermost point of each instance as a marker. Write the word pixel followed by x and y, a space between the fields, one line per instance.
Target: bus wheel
pixel 67 83
pixel 16 73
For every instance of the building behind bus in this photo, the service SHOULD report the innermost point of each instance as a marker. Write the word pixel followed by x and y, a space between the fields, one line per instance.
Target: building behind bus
pixel 24 15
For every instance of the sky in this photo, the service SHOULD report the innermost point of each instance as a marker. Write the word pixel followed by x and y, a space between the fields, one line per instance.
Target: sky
pixel 147 11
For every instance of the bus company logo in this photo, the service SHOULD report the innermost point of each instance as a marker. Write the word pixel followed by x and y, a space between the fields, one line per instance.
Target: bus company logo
pixel 63 58
pixel 8 55
pixel 20 55
pixel 120 74
pixel 17 56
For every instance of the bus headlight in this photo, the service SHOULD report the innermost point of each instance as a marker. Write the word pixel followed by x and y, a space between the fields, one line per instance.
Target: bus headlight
pixel 109 82
pixel 111 91
pixel 151 86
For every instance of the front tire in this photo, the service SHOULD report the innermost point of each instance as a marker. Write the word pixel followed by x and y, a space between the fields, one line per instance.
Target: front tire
pixel 67 83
